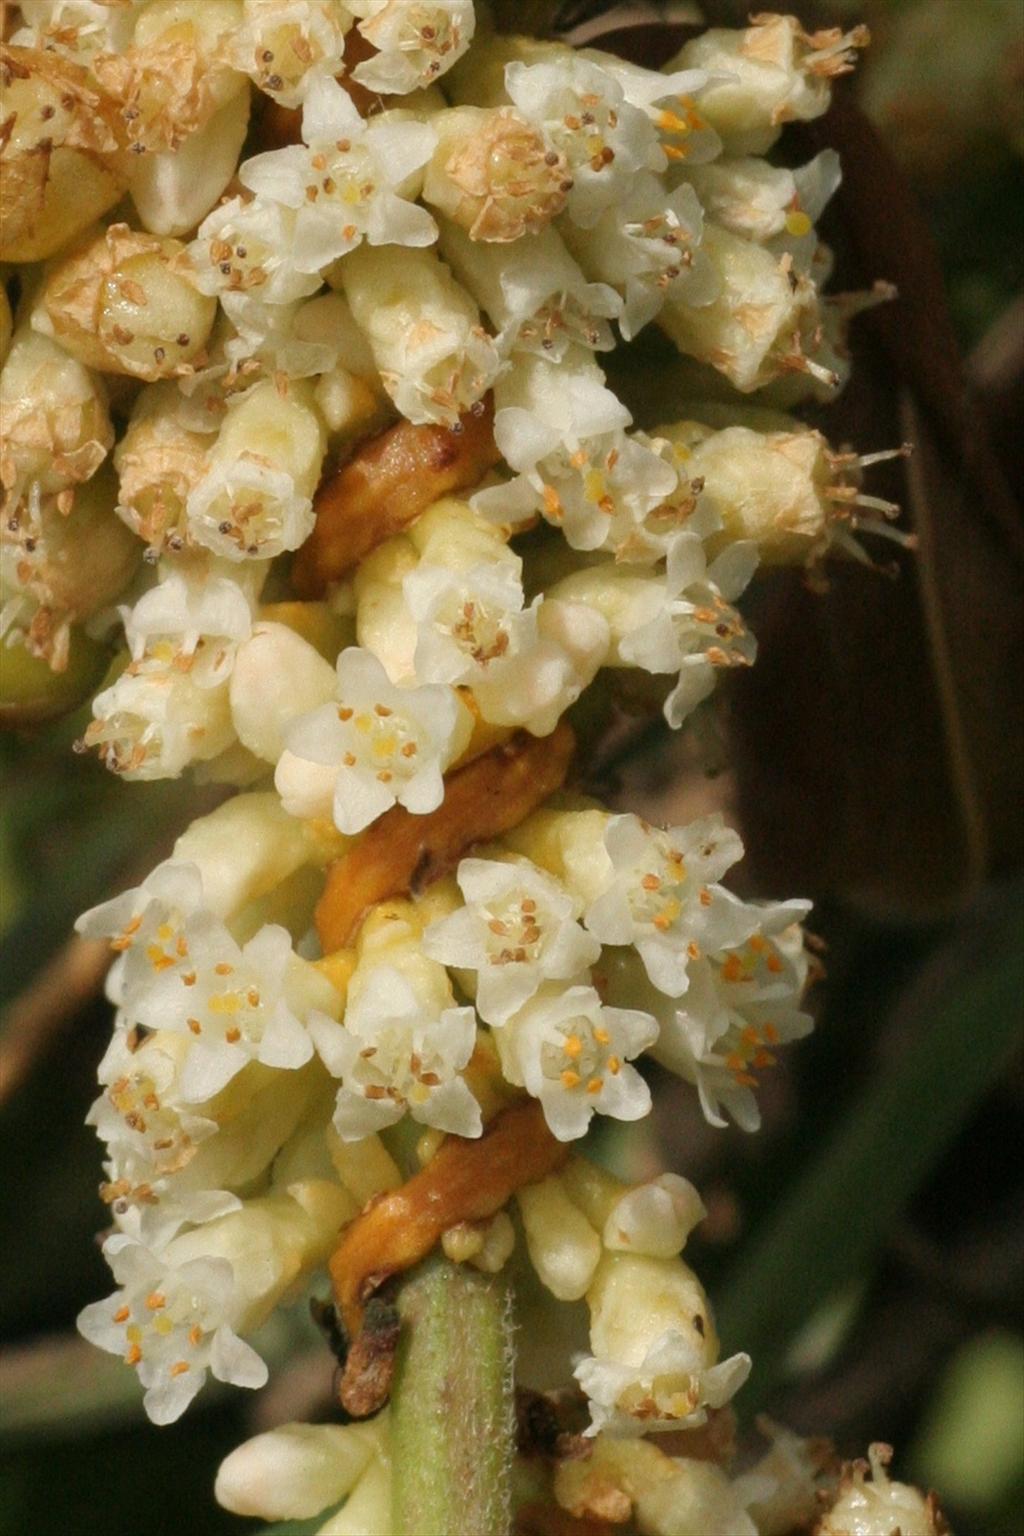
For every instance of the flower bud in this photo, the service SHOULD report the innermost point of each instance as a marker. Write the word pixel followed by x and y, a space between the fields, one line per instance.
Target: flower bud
pixel 56 424
pixel 246 847
pixel 564 1247
pixel 434 356
pixel 60 166
pixel 31 691
pixel 297 1470
pixel 255 498
pixel 61 567
pixel 869 1504
pixel 770 73
pixel 122 302
pixel 494 174
pixel 277 677
pixel 174 189
pixel 655 1218
pixel 752 330
pixel 367 1510
pixel 173 78
pixel 270 1243
pixel 159 460
pixel 366 1168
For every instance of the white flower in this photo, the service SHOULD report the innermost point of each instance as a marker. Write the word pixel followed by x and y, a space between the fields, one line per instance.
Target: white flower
pixel 249 509
pixel 417 41
pixel 563 432
pixel 572 1054
pixel 77 28
pixel 741 1003
pixel 342 182
pixel 244 247
pixel 140 1113
pixel 535 294
pixel 671 1387
pixel 383 744
pixel 648 246
pixel 395 1053
pixel 235 1005
pixel 153 722
pixel 694 631
pixel 172 1324
pixel 194 618
pixel 604 493
pixel 517 930
pixel 659 894
pixel 684 132
pixel 584 112
pixel 146 924
pixel 169 708
pixel 290 338
pixel 524 665
pixel 284 45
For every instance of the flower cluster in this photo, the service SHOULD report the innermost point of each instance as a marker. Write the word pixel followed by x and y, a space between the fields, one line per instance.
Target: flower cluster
pixel 374 523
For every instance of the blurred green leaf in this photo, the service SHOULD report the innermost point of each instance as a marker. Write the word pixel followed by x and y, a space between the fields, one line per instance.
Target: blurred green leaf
pixel 970 1442
pixel 832 1222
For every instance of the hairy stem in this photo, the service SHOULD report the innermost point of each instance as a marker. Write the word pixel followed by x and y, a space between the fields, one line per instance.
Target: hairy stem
pixel 453 1420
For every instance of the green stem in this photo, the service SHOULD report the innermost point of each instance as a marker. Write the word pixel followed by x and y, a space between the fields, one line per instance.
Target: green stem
pixel 452 1408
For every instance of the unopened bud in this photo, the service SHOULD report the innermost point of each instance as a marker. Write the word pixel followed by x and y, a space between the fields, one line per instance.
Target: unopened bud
pixel 60 166
pixel 297 1470
pixel 494 174
pixel 124 303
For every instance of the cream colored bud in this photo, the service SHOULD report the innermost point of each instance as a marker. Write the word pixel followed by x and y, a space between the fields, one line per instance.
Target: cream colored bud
pixel 434 357
pixel 277 676
pixel 752 331
pixel 495 174
pixel 570 845
pixel 256 1114
pixel 56 426
pixel 592 1189
pixel 367 1510
pixel 564 1247
pixel 767 74
pixel 249 845
pixel 655 1218
pixel 124 302
pixel 498 1245
pixel 256 496
pixel 271 1243
pixel 366 1168
pixel 350 406
pixel 173 191
pixel 159 460
pixel 635 1299
pixel 869 1504
pixel 174 77
pixel 59 567
pixel 771 487
pixel 297 1470
pixel 60 162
